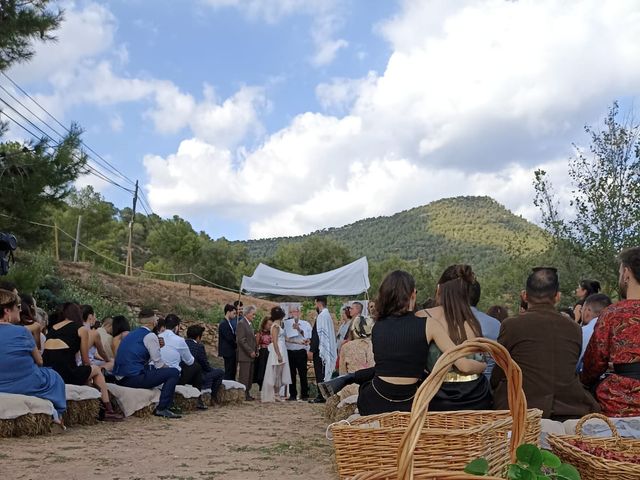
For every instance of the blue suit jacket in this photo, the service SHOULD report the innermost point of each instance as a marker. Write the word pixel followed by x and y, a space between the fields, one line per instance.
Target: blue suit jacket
pixel 199 353
pixel 226 340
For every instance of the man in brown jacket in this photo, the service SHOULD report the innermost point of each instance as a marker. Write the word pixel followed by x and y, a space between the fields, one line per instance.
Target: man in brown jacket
pixel 247 349
pixel 546 345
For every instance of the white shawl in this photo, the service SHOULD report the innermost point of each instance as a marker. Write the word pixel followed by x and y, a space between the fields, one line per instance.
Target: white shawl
pixel 327 336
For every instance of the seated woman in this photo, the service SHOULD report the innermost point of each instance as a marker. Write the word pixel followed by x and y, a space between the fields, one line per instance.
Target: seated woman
pixel 459 391
pixel 120 328
pixel 21 369
pixel 401 349
pixel 97 353
pixel 66 339
pixel 28 318
pixel 357 353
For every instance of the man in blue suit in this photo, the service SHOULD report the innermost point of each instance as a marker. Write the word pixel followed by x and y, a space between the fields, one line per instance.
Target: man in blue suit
pixel 132 369
pixel 211 377
pixel 227 346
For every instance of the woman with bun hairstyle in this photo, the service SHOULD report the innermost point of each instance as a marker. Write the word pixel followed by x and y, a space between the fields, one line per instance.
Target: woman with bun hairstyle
pixel 401 350
pixel 585 288
pixel 277 373
pixel 461 390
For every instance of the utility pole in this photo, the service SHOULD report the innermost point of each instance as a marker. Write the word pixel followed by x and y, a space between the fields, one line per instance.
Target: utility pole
pixel 75 250
pixel 55 239
pixel 128 269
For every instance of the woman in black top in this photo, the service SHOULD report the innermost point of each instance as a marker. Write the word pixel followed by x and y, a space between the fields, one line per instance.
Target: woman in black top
pixel 400 347
pixel 65 340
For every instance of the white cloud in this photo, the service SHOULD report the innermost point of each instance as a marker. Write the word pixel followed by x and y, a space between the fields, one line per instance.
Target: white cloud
pixel 474 97
pixel 327 20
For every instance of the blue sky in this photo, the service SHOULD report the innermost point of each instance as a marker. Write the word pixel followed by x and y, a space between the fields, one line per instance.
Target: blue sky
pixel 255 118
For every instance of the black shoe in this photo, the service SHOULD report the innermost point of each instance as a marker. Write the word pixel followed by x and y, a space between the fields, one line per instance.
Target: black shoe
pixel 166 413
pixel 304 399
pixel 292 399
pixel 249 398
pixel 333 386
pixel 317 400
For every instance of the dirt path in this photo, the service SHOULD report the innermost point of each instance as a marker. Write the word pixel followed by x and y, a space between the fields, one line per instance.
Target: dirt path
pixel 250 441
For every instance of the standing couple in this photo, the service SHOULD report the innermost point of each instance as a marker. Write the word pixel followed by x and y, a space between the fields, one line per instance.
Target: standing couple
pixel 277 372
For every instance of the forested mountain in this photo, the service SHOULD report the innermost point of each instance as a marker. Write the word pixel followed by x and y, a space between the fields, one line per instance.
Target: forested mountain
pixel 476 230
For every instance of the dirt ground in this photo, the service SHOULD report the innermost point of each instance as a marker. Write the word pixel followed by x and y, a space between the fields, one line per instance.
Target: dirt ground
pixel 249 441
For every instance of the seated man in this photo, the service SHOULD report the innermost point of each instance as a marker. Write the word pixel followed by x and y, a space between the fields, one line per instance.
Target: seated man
pixel 616 340
pixel 211 377
pixel 132 367
pixel 546 346
pixel 593 305
pixel 176 354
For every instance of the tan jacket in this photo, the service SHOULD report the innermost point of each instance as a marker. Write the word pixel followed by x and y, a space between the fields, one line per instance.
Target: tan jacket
pixel 246 341
pixel 546 345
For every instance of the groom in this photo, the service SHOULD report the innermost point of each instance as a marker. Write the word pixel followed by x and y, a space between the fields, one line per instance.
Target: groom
pixel 323 346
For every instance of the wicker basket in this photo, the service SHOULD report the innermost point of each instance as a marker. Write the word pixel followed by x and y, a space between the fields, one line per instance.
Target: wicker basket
pixel 444 441
pixel 592 467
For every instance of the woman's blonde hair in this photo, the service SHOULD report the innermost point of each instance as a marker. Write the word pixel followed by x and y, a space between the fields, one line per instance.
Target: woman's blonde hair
pixel 7 300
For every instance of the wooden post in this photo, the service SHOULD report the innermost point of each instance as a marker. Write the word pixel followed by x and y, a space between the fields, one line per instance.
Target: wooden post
pixel 56 243
pixel 75 251
pixel 128 269
pixel 189 282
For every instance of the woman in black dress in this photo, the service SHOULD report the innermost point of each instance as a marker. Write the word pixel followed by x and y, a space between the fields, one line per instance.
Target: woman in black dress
pixel 67 339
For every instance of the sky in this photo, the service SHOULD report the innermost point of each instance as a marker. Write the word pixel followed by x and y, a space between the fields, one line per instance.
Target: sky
pixel 265 118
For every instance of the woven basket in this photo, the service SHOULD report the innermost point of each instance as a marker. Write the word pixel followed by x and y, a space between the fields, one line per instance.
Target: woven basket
pixel 444 441
pixel 592 467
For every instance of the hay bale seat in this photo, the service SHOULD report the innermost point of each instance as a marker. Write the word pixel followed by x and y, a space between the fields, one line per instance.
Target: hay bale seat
pixel 141 402
pixel 83 405
pixel 336 409
pixel 229 393
pixel 21 415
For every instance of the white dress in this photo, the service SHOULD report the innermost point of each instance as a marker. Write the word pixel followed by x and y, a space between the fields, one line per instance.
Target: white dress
pixel 275 375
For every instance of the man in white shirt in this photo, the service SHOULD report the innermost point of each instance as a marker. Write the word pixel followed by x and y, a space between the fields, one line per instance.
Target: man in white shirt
pixel 297 337
pixel 176 354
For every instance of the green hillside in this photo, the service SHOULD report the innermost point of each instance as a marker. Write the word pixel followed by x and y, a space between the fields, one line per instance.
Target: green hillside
pixel 476 230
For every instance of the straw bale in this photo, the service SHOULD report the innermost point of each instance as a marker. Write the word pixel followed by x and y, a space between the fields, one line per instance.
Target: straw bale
pixel 30 425
pixel 185 404
pixel 145 412
pixel 331 407
pixel 230 396
pixel 83 412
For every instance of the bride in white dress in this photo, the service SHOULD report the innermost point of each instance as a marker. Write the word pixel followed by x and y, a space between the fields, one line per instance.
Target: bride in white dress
pixel 277 373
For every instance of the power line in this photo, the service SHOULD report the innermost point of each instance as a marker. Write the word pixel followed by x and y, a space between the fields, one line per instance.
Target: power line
pixel 90 168
pixel 25 93
pixel 140 270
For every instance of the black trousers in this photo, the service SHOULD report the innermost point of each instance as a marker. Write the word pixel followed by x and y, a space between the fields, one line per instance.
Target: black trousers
pixel 230 367
pixel 318 369
pixel 298 363
pixel 191 375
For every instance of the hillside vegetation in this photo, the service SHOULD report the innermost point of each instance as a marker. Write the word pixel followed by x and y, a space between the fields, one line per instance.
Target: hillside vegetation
pixel 475 230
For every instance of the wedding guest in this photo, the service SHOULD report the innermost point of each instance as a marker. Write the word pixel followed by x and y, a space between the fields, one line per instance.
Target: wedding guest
pixel 263 340
pixel 247 350
pixel 297 339
pixel 227 346
pixel 120 329
pixel 211 377
pixel 585 288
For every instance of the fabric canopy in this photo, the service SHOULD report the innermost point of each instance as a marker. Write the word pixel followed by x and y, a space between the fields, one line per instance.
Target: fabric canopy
pixel 351 279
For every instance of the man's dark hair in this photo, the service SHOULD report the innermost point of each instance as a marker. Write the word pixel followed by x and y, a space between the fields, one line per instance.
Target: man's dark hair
pixel 195 331
pixel 238 303
pixel 542 285
pixel 597 302
pixel 229 308
pixel 171 321
pixel 322 300
pixel 361 307
pixel 71 311
pixel 86 311
pixel 8 286
pixel 474 294
pixel 146 313
pixel 630 258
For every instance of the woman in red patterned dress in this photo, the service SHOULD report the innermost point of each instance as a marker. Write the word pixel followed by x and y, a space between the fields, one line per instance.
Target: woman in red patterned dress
pixel 616 340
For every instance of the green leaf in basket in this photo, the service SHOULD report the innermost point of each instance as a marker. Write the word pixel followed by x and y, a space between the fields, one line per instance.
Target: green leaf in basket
pixel 517 472
pixel 567 472
pixel 529 455
pixel 550 460
pixel 479 466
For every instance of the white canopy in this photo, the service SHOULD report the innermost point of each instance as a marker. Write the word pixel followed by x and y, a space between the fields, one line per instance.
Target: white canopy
pixel 351 279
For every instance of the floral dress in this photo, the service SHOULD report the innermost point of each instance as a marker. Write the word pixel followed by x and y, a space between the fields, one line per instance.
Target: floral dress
pixel 616 339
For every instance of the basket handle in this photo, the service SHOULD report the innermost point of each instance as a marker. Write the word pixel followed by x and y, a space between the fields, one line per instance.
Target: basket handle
pixel 614 431
pixel 426 392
